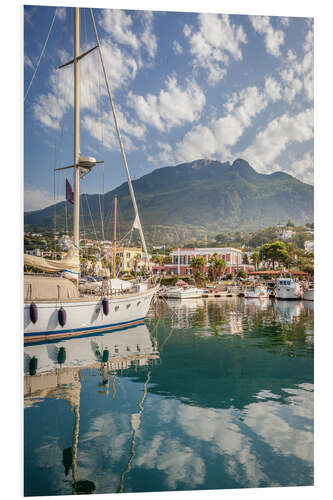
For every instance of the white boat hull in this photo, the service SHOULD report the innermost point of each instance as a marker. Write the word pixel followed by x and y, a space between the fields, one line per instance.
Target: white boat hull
pixel 256 293
pixel 287 293
pixel 191 293
pixel 86 316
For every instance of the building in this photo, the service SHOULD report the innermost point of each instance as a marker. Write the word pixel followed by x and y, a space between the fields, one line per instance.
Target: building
pixel 65 242
pixel 181 260
pixel 309 245
pixel 35 251
pixel 287 234
pixel 129 258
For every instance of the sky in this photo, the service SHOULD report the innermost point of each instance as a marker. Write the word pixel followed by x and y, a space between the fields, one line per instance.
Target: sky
pixel 185 86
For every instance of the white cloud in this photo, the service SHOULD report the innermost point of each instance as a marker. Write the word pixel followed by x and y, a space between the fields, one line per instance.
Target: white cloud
pixel 148 38
pixel 61 13
pixel 177 48
pixel 285 21
pixel 306 68
pixel 36 199
pixel 28 62
pixel 303 168
pixel 171 107
pixel 297 74
pixel 273 38
pixel 50 108
pixel 272 88
pixel 216 137
pixel 165 156
pixel 216 41
pixel 102 128
pixel 293 85
pixel 118 23
pixel 273 140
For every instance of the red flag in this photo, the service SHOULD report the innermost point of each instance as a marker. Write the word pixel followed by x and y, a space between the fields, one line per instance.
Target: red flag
pixel 69 192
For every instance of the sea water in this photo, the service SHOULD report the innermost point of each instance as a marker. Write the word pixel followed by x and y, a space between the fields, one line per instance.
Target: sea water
pixel 212 394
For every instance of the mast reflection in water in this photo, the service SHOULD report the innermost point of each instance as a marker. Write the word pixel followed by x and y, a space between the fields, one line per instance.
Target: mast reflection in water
pixel 209 394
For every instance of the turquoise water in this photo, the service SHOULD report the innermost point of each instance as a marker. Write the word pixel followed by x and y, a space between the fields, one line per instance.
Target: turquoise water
pixel 208 394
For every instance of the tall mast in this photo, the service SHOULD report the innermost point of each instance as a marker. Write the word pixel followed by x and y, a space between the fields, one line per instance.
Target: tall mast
pixel 76 215
pixel 115 237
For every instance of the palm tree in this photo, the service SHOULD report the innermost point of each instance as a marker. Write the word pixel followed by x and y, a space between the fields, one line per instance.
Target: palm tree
pixel 217 265
pixel 255 259
pixel 198 267
pixel 136 260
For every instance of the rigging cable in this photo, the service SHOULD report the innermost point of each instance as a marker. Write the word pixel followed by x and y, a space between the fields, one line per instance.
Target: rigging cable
pixel 56 148
pixel 92 222
pixel 120 141
pixel 41 55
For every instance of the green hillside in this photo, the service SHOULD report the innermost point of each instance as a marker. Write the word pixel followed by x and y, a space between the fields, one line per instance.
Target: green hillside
pixel 192 200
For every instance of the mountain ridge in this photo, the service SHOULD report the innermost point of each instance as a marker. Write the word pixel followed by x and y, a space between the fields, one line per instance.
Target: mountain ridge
pixel 196 198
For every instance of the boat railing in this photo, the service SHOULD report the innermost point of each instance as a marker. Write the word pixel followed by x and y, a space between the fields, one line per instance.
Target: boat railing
pixel 100 291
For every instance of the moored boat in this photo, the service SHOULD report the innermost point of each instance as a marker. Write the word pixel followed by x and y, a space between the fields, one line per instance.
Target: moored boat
pixel 256 292
pixel 186 292
pixel 288 289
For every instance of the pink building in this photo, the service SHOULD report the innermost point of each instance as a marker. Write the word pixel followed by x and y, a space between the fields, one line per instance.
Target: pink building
pixel 181 260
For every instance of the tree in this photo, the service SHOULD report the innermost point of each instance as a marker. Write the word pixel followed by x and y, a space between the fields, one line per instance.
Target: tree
pixel 255 259
pixel 293 252
pixel 241 274
pixel 136 260
pixel 200 278
pixel 300 238
pixel 217 266
pixel 275 252
pixel 245 258
pixel 158 259
pixel 198 266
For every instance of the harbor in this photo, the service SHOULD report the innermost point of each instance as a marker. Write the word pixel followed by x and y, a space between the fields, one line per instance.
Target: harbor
pixel 207 394
pixel 168 279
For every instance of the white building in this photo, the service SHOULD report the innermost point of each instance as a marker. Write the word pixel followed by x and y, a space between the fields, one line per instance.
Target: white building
pixel 287 234
pixel 309 245
pixel 65 242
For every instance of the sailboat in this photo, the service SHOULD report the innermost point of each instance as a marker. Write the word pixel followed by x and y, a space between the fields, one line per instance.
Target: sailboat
pixel 54 307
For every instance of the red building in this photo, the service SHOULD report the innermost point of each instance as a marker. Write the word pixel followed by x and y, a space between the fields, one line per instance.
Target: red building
pixel 181 260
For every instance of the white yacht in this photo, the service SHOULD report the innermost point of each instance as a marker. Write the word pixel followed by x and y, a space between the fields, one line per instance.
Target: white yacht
pixel 256 292
pixel 288 289
pixel 54 306
pixel 185 292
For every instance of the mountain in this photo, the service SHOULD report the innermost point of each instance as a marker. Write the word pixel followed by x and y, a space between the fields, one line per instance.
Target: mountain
pixel 193 200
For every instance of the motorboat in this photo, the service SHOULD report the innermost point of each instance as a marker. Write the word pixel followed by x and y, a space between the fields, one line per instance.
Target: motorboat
pixel 184 292
pixel 256 292
pixel 288 289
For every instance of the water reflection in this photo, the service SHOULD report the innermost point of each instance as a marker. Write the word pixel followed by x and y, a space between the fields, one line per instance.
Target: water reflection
pixel 209 394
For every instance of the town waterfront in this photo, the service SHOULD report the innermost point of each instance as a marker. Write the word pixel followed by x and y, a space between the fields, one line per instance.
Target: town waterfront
pixel 208 394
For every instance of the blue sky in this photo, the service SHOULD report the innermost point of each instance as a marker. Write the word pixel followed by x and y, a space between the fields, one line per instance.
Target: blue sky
pixel 185 86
